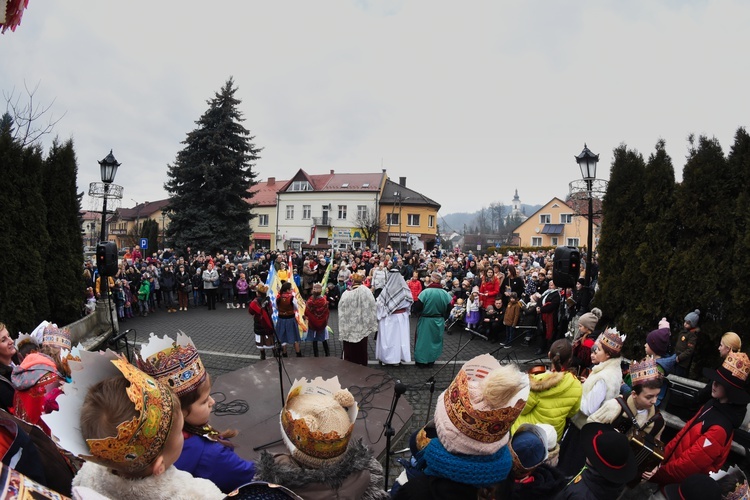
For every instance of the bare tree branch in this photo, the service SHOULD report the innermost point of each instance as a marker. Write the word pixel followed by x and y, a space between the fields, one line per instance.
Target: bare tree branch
pixel 28 117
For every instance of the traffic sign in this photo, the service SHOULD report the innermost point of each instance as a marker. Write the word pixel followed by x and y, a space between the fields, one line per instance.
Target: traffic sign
pixel 144 243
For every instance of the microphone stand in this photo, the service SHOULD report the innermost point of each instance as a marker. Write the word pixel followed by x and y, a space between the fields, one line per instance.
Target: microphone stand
pixel 431 380
pixel 276 354
pixel 115 342
pixel 398 390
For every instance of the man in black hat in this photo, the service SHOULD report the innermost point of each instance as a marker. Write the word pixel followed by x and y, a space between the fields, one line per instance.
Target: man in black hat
pixel 610 464
pixel 703 444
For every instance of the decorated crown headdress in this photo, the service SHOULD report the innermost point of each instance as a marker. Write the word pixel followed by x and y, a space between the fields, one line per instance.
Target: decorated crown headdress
pixel 56 337
pixel 612 339
pixel 738 364
pixel 174 363
pixel 313 426
pixel 35 337
pixel 644 371
pixel 138 441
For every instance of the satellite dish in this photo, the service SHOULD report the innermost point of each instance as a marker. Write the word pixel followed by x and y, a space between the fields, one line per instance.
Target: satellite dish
pixel 537 230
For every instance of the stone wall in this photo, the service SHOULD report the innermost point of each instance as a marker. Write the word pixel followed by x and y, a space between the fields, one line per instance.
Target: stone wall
pixel 92 330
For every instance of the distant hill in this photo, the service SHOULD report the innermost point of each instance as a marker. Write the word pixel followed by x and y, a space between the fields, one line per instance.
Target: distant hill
pixel 455 221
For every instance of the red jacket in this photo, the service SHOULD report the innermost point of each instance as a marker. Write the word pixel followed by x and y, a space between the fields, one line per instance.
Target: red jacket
pixel 491 288
pixel 416 287
pixel 316 312
pixel 702 445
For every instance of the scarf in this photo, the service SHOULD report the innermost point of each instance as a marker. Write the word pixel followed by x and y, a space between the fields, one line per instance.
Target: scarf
pixel 394 293
pixel 476 470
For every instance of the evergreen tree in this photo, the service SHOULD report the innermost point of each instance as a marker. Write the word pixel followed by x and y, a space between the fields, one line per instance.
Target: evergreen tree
pixel 150 230
pixel 62 266
pixel 210 181
pixel 24 241
pixel 738 163
pixel 620 276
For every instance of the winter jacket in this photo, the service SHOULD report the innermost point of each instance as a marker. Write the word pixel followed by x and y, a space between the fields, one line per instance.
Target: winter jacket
pixel 610 373
pixel 416 288
pixel 554 397
pixel 488 291
pixel 704 443
pixel 214 461
pixel 685 346
pixel 512 314
pixel 590 485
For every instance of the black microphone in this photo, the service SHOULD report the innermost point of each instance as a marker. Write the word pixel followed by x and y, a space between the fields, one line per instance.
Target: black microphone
pixel 119 337
pixel 400 388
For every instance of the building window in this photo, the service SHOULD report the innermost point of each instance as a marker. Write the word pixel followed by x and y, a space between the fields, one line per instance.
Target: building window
pixel 412 220
pixel 361 212
pixel 430 221
pixel 536 241
pixel 566 218
pixel 263 220
pixel 342 211
pixel 290 212
pixel 573 242
pixel 300 186
pixel 554 241
pixel 391 219
pixel 544 218
pixel 306 211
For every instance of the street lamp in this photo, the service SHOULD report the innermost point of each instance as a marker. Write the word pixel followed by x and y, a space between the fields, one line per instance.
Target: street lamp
pixel 108 167
pixel 587 163
pixel 163 216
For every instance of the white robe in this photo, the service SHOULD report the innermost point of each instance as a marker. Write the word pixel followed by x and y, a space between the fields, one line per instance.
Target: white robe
pixel 392 346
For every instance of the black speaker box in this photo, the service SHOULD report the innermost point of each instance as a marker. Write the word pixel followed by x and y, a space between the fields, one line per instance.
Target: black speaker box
pixel 106 258
pixel 566 267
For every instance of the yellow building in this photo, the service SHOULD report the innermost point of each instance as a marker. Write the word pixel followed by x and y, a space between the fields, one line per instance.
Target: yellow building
pixel 124 226
pixel 408 219
pixel 555 224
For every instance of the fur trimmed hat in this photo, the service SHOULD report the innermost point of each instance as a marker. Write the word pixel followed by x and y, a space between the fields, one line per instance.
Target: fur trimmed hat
pixel 474 414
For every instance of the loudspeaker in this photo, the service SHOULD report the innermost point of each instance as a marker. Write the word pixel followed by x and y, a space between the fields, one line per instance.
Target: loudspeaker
pixel 566 267
pixel 106 258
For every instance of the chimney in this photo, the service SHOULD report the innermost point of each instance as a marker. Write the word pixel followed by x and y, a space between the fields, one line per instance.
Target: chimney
pixel 271 181
pixel 402 181
pixel 331 171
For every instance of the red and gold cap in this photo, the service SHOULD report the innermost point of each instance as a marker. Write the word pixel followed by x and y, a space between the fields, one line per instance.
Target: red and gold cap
pixel 174 363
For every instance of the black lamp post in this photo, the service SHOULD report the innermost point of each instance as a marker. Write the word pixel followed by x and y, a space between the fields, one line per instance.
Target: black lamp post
pixel 108 167
pixel 587 163
pixel 163 227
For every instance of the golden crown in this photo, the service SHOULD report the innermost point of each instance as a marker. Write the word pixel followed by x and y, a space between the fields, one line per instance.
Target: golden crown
pixel 738 365
pixel 174 363
pixel 316 447
pixel 56 337
pixel 485 426
pixel 142 439
pixel 612 339
pixel 644 371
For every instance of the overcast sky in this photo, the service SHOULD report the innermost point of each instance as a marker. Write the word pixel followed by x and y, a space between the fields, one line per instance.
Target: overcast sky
pixel 467 100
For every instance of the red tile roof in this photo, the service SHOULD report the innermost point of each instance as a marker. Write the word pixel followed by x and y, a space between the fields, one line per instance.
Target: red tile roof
pixel 265 194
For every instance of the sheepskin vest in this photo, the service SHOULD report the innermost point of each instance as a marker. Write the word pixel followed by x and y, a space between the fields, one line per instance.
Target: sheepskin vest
pixel 610 372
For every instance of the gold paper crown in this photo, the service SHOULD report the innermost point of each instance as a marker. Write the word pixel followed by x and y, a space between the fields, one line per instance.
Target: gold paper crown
pixel 174 363
pixel 612 339
pixel 485 426
pixel 741 492
pixel 644 371
pixel 140 440
pixel 738 364
pixel 56 337
pixel 314 448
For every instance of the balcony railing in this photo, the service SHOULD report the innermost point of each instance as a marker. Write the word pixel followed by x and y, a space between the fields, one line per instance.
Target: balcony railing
pixel 322 221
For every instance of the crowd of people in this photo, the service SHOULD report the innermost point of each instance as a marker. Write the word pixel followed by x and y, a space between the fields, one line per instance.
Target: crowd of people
pixel 579 427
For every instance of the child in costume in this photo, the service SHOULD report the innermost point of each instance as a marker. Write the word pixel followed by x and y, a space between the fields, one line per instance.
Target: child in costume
pixel 206 452
pixel 317 312
pixel 262 311
pixel 127 426
pixel 317 422
pixel 473 315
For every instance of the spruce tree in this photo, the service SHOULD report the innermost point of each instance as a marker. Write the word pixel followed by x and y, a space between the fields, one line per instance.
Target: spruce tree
pixel 62 267
pixel 24 241
pixel 620 277
pixel 210 181
pixel 738 163
pixel 150 230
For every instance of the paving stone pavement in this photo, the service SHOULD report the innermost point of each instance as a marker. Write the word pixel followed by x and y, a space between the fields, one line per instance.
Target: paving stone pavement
pixel 226 343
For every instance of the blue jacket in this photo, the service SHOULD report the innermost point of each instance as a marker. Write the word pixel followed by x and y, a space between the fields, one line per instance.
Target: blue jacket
pixel 211 460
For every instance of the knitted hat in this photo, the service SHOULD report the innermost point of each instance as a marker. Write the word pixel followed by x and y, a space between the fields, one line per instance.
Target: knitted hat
pixel 436 277
pixel 612 340
pixel 317 421
pixel 695 487
pixel 138 441
pixel 261 288
pixel 658 341
pixel 174 363
pixel 553 448
pixel 590 319
pixel 644 371
pixel 732 375
pixel 692 318
pixel 474 414
pixel 528 447
pixel 663 323
pixel 609 452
